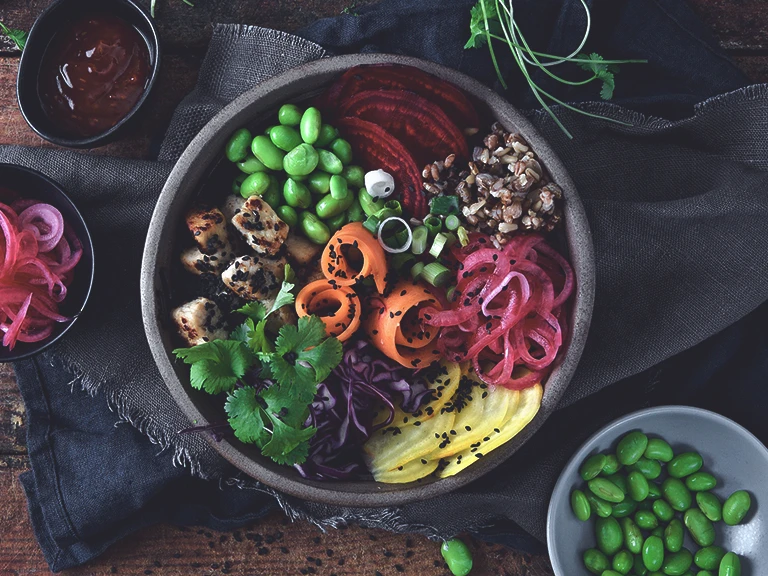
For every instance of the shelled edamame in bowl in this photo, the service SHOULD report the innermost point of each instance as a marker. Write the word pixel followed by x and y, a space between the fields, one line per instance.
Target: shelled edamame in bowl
pixel 669 491
pixel 368 281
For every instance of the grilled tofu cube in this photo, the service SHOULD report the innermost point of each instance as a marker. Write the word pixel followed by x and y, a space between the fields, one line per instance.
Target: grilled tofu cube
pixel 232 206
pixel 197 263
pixel 199 321
pixel 254 277
pixel 301 251
pixel 209 228
pixel 260 226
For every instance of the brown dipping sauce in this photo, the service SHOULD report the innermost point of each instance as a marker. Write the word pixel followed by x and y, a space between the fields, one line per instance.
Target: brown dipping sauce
pixel 93 74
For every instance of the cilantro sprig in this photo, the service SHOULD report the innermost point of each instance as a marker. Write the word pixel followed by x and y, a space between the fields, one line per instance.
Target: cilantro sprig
pixel 301 356
pixel 18 37
pixel 494 20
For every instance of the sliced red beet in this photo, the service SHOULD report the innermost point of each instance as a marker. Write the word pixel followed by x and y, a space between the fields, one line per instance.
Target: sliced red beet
pixel 376 148
pixel 396 77
pixel 424 129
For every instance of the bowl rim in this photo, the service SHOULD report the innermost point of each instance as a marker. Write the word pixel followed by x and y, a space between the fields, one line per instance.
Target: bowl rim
pixel 103 137
pixel 87 242
pixel 585 448
pixel 379 495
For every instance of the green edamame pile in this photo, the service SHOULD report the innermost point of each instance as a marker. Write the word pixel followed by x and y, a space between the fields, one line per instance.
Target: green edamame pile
pixel 302 169
pixel 643 515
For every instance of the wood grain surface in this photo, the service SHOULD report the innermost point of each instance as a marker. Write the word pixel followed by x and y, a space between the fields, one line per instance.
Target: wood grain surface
pixel 274 546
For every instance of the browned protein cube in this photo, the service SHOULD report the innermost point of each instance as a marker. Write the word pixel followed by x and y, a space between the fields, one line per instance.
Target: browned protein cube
pixel 262 229
pixel 199 321
pixel 255 278
pixel 198 263
pixel 209 229
pixel 301 251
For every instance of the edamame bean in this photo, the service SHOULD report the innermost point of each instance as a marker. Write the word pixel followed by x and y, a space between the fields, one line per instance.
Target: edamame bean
pixel 251 164
pixel 700 527
pixel 236 149
pixel 609 535
pixel 288 215
pixel 592 466
pixel 269 154
pixel 457 556
pixel 675 492
pixel 678 563
pixel 289 115
pixel 730 565
pixel 330 207
pixel 339 188
pixel 354 175
pixel 653 553
pixel 646 520
pixel 659 449
pixel 611 573
pixel 622 562
pixel 595 561
pixel 274 194
pixel 237 183
pixel 285 137
pixel 736 507
pixel 329 162
pixel 254 185
pixel 709 558
pixel 315 230
pixel 620 481
pixel 638 486
pixel 674 535
pixel 327 135
pixel 606 490
pixel 658 532
pixel 623 509
pixel 700 481
pixel 651 469
pixel 631 447
pixel 633 537
pixel 599 506
pixel 296 194
pixel 301 161
pixel 710 505
pixel 369 205
pixel 653 490
pixel 685 464
pixel 355 212
pixel 310 124
pixel 337 222
pixel 639 567
pixel 342 149
pixel 319 182
pixel 663 510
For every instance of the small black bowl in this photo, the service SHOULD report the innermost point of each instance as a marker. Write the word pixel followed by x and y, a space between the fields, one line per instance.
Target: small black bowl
pixel 40 36
pixel 27 183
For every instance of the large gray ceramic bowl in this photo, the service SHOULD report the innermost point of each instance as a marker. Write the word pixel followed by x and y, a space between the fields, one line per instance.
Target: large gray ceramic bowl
pixel 737 459
pixel 192 174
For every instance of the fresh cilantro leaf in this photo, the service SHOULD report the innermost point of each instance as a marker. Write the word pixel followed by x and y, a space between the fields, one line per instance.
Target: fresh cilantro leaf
pixel 296 456
pixel 282 448
pixel 217 365
pixel 323 358
pixel 290 401
pixel 309 332
pixel 477 23
pixel 245 416
pixel 254 310
pixel 240 333
pixel 257 311
pixel 289 274
pixel 288 373
pixel 257 337
pixel 603 72
pixel 18 37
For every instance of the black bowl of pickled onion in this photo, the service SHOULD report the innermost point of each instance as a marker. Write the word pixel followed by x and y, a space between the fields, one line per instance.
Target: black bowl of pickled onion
pixel 46 262
pixel 87 68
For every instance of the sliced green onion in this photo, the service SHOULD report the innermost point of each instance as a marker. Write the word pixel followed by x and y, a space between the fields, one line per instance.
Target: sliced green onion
pixel 397 239
pixel 408 238
pixel 434 225
pixel 449 293
pixel 420 237
pixel 452 222
pixel 394 205
pixel 385 213
pixel 436 274
pixel 463 235
pixel 371 224
pixel 438 245
pixel 402 261
pixel 417 269
pixel 444 205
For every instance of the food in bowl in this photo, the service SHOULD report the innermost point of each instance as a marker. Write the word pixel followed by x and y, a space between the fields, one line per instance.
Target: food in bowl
pixel 39 253
pixel 646 499
pixel 359 314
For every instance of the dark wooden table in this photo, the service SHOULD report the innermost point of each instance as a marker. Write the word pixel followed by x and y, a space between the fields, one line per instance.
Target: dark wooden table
pixel 274 546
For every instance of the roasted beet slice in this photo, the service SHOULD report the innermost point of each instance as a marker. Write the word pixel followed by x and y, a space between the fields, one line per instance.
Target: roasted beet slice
pixel 396 77
pixel 376 148
pixel 423 127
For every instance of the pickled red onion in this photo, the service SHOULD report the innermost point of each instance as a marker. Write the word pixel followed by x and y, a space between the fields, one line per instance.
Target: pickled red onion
pixel 508 311
pixel 38 252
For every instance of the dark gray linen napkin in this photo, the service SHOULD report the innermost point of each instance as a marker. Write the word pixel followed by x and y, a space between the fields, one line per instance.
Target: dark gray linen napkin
pixel 675 206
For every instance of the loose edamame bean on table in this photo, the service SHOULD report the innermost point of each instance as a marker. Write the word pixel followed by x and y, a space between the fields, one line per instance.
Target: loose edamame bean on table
pixel 622 562
pixel 289 115
pixel 355 212
pixel 595 561
pixel 269 154
pixel 675 492
pixel 633 536
pixel 624 509
pixel 606 490
pixel 651 469
pixel 237 146
pixel 319 182
pixel 659 449
pixel 339 188
pixel 736 507
pixel 709 558
pixel 609 535
pixel 336 222
pixel 678 563
pixel 653 553
pixel 330 207
pixel 700 481
pixel 251 164
pixel 301 161
pixel 599 506
pixel 310 124
pixel 631 447
pixel 458 557
pixel 730 565
pixel 699 527
pixel 638 486
pixel 674 535
pixel 274 194
pixel 646 520
pixel 663 510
